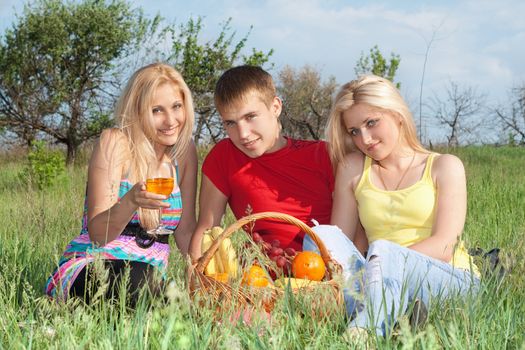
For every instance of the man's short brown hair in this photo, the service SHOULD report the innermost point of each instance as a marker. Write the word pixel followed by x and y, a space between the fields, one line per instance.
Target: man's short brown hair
pixel 237 83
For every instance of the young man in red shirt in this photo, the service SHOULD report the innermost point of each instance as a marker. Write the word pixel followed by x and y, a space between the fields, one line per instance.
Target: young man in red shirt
pixel 257 169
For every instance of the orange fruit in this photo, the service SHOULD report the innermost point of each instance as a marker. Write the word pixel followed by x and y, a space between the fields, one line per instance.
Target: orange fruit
pixel 308 265
pixel 221 277
pixel 255 277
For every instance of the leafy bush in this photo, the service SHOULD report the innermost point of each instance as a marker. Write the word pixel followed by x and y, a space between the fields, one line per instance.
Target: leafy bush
pixel 45 166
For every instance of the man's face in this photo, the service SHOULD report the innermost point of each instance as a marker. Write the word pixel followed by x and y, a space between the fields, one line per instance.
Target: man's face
pixel 253 126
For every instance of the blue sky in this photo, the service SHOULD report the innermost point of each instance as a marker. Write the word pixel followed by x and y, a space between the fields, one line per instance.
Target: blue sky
pixel 479 43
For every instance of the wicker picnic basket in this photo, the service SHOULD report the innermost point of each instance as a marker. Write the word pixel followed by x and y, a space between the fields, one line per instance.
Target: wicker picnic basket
pixel 222 294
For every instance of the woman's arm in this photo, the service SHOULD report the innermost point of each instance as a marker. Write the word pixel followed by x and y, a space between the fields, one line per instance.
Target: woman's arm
pixel 188 188
pixel 360 239
pixel 449 176
pixel 212 205
pixel 107 216
pixel 344 208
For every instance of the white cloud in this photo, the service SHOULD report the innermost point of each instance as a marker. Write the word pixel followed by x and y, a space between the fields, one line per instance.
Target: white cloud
pixel 478 42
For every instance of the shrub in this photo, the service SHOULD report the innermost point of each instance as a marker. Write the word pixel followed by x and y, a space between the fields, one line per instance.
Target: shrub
pixel 45 166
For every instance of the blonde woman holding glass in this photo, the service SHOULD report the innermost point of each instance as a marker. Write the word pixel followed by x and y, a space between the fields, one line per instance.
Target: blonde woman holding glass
pixel 155 122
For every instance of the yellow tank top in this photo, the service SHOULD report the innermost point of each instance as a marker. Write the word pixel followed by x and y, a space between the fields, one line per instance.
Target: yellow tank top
pixel 404 216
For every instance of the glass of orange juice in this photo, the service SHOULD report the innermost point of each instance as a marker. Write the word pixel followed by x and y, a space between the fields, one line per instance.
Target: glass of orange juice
pixel 160 180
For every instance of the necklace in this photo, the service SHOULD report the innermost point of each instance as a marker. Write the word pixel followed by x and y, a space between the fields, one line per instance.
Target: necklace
pixel 402 176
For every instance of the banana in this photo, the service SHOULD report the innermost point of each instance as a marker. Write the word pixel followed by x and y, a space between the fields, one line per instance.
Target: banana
pixel 295 283
pixel 233 262
pixel 215 232
pixel 226 253
pixel 220 261
pixel 212 267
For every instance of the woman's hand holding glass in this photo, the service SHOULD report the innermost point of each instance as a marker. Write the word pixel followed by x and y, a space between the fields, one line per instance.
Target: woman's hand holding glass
pixel 160 180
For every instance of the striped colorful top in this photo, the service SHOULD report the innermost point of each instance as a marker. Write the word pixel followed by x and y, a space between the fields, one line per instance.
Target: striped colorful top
pixel 81 251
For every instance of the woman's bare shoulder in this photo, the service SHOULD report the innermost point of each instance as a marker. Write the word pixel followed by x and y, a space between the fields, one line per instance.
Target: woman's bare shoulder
pixel 353 161
pixel 189 158
pixel 447 162
pixel 112 137
pixel 351 168
pixel 447 166
pixel 111 148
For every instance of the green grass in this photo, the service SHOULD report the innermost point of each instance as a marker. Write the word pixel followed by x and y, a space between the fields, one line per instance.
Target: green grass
pixel 36 226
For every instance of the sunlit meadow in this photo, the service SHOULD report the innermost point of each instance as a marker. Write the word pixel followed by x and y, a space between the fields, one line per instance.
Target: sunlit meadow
pixel 37 225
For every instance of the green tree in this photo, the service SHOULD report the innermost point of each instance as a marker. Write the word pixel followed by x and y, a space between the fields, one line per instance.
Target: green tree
pixel 306 101
pixel 58 67
pixel 201 65
pixel 377 64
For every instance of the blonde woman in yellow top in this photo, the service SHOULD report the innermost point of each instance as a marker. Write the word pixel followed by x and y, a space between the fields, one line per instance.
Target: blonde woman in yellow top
pixel 411 202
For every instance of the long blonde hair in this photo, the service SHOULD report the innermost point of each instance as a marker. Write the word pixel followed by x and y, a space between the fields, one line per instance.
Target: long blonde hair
pixel 134 117
pixel 376 92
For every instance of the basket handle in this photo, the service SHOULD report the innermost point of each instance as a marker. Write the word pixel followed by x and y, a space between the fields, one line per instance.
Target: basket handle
pixel 206 257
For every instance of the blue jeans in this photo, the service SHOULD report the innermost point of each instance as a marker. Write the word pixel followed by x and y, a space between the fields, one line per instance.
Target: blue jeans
pixel 381 287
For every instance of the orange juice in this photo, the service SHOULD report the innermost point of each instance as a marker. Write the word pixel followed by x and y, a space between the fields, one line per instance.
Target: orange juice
pixel 160 185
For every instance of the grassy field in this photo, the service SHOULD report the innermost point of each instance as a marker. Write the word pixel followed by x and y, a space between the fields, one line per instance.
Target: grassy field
pixel 36 226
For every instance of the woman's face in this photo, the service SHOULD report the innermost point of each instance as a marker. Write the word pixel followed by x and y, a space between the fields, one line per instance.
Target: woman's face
pixel 374 131
pixel 168 113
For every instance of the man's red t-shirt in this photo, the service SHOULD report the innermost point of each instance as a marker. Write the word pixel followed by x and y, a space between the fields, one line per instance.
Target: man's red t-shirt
pixel 297 180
